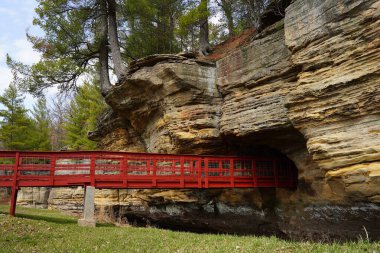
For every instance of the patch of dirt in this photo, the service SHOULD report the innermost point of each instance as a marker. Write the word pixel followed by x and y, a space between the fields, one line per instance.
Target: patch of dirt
pixel 224 48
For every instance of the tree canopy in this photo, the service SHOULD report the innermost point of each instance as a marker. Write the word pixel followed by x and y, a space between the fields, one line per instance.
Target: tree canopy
pixel 82 35
pixel 82 117
pixel 41 126
pixel 76 38
pixel 16 127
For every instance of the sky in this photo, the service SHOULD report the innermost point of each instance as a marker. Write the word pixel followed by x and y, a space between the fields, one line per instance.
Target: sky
pixel 16 18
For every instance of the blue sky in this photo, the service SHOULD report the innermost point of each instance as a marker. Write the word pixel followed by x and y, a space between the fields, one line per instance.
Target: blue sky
pixel 16 17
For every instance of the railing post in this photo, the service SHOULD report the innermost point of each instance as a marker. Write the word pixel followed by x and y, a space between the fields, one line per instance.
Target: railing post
pixel 92 169
pixel 173 168
pixel 148 169
pixel 199 174
pixel 232 176
pixel 182 161
pixel 254 173
pixel 154 179
pixel 206 172
pixel 52 168
pixel 124 170
pixel 12 210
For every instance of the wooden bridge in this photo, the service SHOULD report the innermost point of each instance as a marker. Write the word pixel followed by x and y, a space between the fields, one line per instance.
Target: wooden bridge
pixel 103 169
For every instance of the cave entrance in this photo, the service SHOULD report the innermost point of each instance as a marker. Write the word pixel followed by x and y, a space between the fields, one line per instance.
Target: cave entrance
pixel 274 164
pixel 284 147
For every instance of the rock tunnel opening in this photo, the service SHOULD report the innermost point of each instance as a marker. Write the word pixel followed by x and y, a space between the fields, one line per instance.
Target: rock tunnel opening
pixel 281 162
pixel 286 145
pixel 231 210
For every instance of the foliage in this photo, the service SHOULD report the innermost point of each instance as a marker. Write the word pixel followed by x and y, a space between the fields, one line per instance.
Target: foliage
pixel 41 120
pixel 16 128
pixel 82 115
pixel 36 230
pixel 45 129
pixel 67 47
pixel 150 25
pixel 78 35
pixel 189 24
pixel 192 16
pixel 59 108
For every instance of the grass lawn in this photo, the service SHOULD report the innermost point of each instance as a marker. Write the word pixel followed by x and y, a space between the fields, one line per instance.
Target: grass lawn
pixel 35 230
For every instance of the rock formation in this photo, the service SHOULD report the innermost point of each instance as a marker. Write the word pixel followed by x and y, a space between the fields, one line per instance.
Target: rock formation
pixel 306 87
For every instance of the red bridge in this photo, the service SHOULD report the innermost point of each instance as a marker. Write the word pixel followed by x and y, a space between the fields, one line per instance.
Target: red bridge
pixel 103 169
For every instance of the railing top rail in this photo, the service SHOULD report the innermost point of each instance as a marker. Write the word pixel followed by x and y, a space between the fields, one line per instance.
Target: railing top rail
pixel 7 153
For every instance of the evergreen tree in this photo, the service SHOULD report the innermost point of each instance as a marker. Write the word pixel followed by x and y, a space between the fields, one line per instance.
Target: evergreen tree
pixel 77 34
pixel 41 136
pixel 151 25
pixel 16 128
pixel 195 21
pixel 59 108
pixel 83 112
pixel 228 9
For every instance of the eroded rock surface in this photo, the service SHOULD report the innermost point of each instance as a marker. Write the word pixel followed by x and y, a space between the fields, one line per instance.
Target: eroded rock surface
pixel 174 107
pixel 336 102
pixel 306 87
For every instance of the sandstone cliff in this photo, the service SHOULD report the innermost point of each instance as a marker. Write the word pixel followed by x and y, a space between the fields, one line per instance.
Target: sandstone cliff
pixel 306 87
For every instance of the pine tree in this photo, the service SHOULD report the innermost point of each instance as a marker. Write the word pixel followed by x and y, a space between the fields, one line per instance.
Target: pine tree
pixel 83 112
pixel 227 7
pixel 59 107
pixel 77 33
pixel 16 128
pixel 195 21
pixel 41 136
pixel 151 26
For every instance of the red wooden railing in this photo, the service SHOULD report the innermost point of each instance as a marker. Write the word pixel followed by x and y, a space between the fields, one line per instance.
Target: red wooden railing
pixel 103 169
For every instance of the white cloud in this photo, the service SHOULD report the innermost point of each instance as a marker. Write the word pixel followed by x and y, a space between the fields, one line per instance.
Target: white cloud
pixel 20 50
pixel 29 101
pixel 15 17
pixel 8 12
pixel 23 51
pixel 5 80
pixel 5 77
pixel 2 54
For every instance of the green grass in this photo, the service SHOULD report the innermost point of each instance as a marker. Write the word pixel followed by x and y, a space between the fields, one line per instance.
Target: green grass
pixel 35 230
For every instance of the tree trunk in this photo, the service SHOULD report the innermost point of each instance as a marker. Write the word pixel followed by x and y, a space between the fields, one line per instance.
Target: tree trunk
pixel 105 84
pixel 255 9
pixel 171 31
pixel 227 8
pixel 114 41
pixel 204 45
pixel 258 10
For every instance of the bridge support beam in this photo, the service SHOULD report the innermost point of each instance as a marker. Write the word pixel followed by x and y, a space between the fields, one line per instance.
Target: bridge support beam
pixel 88 219
pixel 12 210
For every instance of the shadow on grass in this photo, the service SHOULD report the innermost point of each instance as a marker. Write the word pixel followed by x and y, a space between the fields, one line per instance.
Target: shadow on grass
pixel 64 221
pixel 105 225
pixel 56 220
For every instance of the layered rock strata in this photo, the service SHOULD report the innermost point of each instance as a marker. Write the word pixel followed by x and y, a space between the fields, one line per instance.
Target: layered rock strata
pixel 336 102
pixel 173 106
